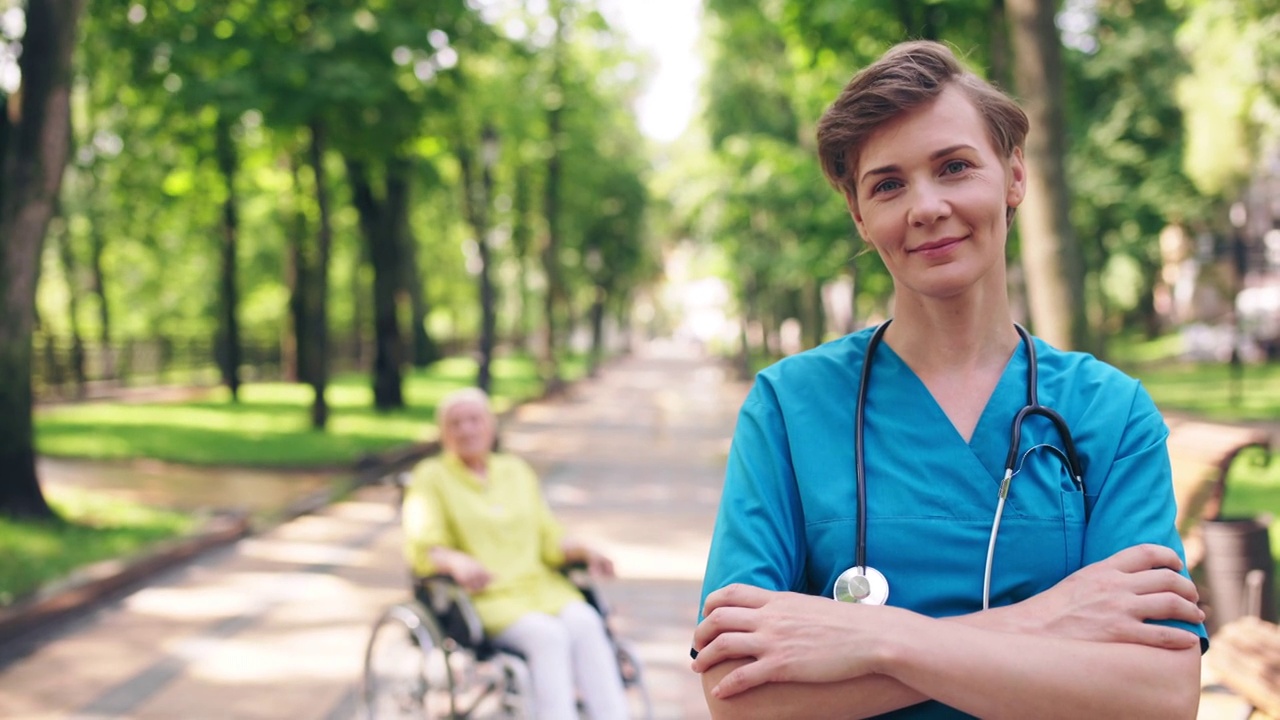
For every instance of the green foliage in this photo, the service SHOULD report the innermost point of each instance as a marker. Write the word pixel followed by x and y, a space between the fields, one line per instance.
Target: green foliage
pixel 94 527
pixel 270 425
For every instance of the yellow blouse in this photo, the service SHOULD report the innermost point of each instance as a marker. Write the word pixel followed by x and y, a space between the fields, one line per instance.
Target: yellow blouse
pixel 504 524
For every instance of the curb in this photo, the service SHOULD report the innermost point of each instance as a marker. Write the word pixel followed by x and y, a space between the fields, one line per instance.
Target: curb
pixel 94 582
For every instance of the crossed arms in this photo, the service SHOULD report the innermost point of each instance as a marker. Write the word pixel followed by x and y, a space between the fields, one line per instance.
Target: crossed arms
pixel 1080 649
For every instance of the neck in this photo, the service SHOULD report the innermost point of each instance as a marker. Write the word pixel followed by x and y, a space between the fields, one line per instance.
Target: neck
pixel 953 335
pixel 478 464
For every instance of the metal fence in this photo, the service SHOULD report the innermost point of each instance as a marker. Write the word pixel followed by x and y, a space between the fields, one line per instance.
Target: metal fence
pixel 61 370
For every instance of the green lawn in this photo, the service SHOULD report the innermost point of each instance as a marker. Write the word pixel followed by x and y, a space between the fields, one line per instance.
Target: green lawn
pixel 93 527
pixel 270 425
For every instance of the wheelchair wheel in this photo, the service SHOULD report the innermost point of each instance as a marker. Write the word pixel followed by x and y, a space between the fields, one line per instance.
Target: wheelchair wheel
pixel 407 670
pixel 516 686
pixel 633 681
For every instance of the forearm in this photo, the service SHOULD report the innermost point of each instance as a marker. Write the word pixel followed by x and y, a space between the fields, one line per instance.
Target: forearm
pixel 444 559
pixel 994 674
pixel 991 664
pixel 861 697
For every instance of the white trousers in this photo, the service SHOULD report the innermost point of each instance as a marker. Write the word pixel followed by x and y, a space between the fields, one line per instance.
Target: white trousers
pixel 567 651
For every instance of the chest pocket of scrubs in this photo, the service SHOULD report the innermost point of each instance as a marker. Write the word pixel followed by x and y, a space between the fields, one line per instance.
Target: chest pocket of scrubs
pixel 1044 494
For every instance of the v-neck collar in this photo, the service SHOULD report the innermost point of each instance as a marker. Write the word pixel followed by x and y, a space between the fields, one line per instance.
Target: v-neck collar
pixel 992 428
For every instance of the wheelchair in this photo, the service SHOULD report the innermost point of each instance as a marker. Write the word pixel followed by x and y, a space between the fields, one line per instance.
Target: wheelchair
pixel 430 658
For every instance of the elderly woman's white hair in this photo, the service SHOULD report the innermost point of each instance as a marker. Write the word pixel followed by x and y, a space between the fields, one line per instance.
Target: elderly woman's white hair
pixel 458 397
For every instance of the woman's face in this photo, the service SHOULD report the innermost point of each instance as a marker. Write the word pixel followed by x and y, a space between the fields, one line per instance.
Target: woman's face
pixel 467 430
pixel 932 198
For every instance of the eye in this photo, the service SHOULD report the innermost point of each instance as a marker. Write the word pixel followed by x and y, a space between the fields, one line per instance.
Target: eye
pixel 954 167
pixel 885 186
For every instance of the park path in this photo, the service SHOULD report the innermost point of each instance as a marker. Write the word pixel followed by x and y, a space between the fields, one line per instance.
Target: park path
pixel 274 625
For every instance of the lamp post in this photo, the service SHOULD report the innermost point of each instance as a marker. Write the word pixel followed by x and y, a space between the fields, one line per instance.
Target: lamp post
pixel 488 324
pixel 1238 215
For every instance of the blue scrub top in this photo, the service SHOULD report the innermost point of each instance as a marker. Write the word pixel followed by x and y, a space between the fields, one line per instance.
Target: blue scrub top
pixel 788 513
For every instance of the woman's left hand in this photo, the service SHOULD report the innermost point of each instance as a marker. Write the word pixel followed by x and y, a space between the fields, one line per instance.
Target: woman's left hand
pixel 790 637
pixel 599 565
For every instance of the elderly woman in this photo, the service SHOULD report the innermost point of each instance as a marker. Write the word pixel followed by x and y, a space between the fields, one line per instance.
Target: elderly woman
pixel 886 489
pixel 480 517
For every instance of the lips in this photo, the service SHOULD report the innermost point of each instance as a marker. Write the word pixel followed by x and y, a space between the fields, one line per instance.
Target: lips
pixel 937 245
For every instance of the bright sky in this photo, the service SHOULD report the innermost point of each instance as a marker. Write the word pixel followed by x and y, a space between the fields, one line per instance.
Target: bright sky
pixel 668 30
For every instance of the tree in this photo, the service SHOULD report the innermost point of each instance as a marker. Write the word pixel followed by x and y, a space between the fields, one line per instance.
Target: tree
pixel 34 143
pixel 1051 256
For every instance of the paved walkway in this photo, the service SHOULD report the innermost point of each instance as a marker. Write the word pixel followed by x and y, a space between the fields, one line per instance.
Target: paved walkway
pixel 275 626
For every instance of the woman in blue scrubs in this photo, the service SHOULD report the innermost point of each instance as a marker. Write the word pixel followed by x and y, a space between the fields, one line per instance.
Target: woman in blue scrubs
pixel 1091 613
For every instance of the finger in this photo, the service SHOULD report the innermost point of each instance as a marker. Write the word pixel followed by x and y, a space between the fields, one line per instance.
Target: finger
pixel 726 646
pixel 1164 580
pixel 751 675
pixel 736 595
pixel 1144 557
pixel 1168 606
pixel 1163 637
pixel 720 621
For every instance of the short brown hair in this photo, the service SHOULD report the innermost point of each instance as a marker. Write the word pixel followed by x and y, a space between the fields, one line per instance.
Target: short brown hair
pixel 907 76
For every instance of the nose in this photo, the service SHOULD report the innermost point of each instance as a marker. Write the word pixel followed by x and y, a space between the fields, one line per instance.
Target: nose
pixel 928 205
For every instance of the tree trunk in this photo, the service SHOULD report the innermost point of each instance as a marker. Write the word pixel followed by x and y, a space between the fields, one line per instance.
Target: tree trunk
pixel 521 235
pixel 425 350
pixel 71 272
pixel 998 22
pixel 551 205
pixel 477 199
pixel 380 240
pixel 317 288
pixel 293 341
pixel 34 143
pixel 1051 256
pixel 229 327
pixel 597 329
pixel 97 247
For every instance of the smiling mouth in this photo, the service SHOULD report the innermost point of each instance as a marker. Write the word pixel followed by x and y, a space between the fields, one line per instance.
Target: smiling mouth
pixel 937 244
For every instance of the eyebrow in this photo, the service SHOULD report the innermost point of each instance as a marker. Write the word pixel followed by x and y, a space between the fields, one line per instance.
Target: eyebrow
pixel 887 169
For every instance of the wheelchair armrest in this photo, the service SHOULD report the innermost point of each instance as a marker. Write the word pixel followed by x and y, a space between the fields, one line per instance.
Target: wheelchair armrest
pixel 451 604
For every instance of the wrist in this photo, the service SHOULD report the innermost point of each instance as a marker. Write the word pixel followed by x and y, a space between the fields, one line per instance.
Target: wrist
pixel 892 648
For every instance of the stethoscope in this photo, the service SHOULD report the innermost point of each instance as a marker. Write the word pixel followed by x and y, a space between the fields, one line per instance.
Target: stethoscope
pixel 866 585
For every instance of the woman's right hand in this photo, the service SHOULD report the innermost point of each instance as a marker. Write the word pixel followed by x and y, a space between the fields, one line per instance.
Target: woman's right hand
pixel 464 569
pixel 1111 600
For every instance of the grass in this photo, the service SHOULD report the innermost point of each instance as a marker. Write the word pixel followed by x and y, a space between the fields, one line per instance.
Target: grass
pixel 94 527
pixel 1211 390
pixel 270 425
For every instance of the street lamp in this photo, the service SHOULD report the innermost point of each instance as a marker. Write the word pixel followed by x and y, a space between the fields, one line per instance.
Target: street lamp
pixel 1238 215
pixel 489 149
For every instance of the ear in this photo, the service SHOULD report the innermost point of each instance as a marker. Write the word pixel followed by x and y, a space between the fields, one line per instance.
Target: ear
pixel 1017 176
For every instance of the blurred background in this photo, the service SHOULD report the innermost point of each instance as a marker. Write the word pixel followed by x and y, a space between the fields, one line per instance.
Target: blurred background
pixel 266 235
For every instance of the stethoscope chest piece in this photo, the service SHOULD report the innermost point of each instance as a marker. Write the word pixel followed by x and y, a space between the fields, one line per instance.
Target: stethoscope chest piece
pixel 862 585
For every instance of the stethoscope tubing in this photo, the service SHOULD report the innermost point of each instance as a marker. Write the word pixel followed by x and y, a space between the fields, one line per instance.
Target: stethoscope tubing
pixel 1033 407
